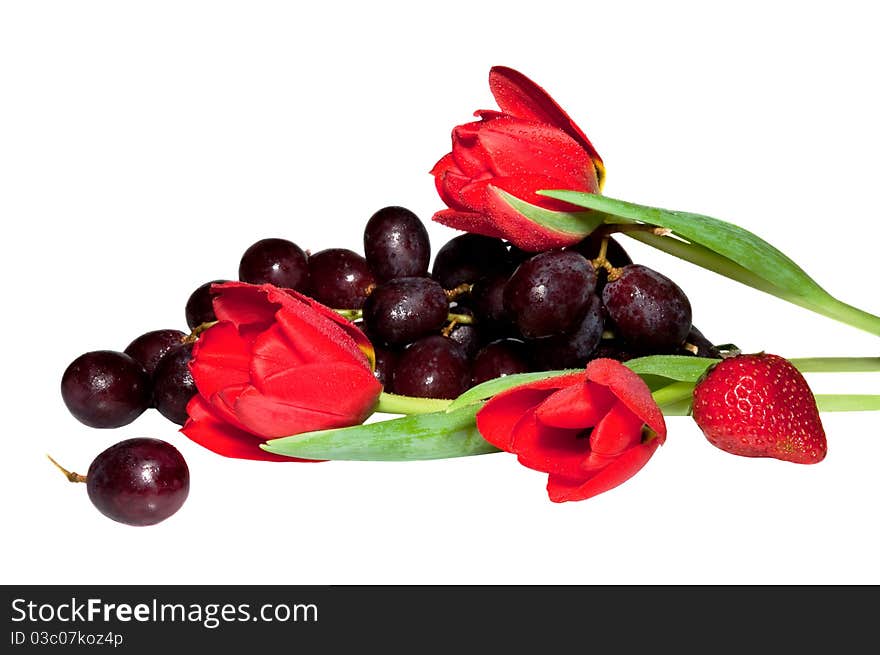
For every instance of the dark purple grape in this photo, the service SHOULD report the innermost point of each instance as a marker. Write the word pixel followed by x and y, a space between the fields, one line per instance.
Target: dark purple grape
pixel 340 278
pixel 173 384
pixel 468 257
pixel 200 307
pixel 432 367
pixel 590 245
pixel 404 309
pixel 105 389
pixel 499 358
pixel 275 261
pixel 574 349
pixel 386 359
pixel 486 298
pixel 396 244
pixel 613 349
pixel 469 336
pixel 549 293
pixel 152 346
pixel 697 344
pixel 138 481
pixel 649 311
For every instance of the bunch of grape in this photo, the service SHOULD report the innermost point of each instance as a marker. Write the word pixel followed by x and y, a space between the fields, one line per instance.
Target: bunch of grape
pixel 486 309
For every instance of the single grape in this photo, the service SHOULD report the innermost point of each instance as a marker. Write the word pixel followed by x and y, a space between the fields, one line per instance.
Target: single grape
pixel 396 244
pixel 499 358
pixel 432 367
pixel 404 309
pixel 469 336
pixel 386 360
pixel 275 261
pixel 468 257
pixel 649 311
pixel 200 305
pixel 150 347
pixel 138 481
pixel 105 389
pixel 573 349
pixel 173 384
pixel 590 246
pixel 697 344
pixel 549 293
pixel 340 278
pixel 486 298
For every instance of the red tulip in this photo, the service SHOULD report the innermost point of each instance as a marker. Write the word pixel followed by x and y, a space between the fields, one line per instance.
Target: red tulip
pixel 531 144
pixel 276 363
pixel 591 431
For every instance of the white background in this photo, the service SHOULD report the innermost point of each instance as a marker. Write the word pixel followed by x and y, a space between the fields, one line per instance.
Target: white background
pixel 144 146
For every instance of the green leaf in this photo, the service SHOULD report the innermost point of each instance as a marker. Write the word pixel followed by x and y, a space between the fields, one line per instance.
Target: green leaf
pixel 495 386
pixel 424 436
pixel 682 368
pixel 726 249
pixel 578 224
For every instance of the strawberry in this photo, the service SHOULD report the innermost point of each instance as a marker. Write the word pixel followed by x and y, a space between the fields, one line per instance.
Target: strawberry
pixel 760 406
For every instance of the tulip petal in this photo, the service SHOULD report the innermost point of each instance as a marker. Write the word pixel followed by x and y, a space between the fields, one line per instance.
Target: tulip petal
pixel 549 449
pixel 220 358
pixel 307 398
pixel 499 415
pixel 468 222
pixel 519 96
pixel 243 304
pixel 449 180
pixel 206 429
pixel 618 430
pixel 576 407
pixel 630 389
pixel 510 147
pixel 620 469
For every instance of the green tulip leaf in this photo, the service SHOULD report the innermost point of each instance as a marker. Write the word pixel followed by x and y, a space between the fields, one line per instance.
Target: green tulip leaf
pixel 726 249
pixel 577 224
pixel 681 368
pixel 495 386
pixel 438 435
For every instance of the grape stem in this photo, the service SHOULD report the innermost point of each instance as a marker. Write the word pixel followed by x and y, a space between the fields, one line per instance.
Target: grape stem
pixel 71 477
pixel 197 330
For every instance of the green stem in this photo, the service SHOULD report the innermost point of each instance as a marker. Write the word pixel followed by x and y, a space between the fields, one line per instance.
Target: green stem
pixel 836 364
pixel 673 393
pixel 391 403
pixel 847 403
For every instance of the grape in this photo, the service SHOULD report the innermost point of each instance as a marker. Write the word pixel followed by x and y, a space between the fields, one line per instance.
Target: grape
pixel 499 358
pixel 340 278
pixel 704 347
pixel 549 293
pixel 404 309
pixel 396 244
pixel 275 261
pixel 173 384
pixel 468 257
pixel 487 300
pixel 649 311
pixel 105 389
pixel 200 307
pixel 469 336
pixel 138 481
pixel 386 359
pixel 571 350
pixel 432 367
pixel 590 245
pixel 150 347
